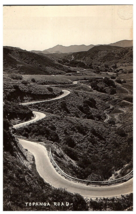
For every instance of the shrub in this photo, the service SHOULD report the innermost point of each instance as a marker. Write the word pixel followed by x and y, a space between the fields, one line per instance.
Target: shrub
pixel 121 132
pixel 16 87
pixel 91 102
pixel 97 134
pixel 70 152
pixel 32 80
pixel 112 90
pixel 118 81
pixel 64 106
pixel 113 77
pixel 111 121
pixel 16 76
pixel 50 89
pixel 109 82
pixel 24 82
pixel 70 142
pixel 79 203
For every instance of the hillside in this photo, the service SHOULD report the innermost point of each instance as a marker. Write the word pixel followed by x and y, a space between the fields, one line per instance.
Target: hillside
pixel 21 61
pixel 67 49
pixel 123 43
pixel 78 48
pixel 23 184
pixel 101 55
pixel 89 132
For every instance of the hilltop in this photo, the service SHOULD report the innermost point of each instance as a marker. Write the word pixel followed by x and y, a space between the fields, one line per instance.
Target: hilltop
pixel 78 48
pixel 68 49
pixel 21 61
pixel 100 56
pixel 123 43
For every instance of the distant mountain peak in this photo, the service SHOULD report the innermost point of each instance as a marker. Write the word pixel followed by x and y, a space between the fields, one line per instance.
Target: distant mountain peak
pixel 79 48
pixel 68 49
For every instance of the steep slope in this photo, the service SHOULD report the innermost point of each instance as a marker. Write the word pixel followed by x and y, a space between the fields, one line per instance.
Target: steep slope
pixel 25 62
pixel 22 184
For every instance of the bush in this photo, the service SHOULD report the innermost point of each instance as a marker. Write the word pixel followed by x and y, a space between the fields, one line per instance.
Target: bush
pixel 113 77
pixel 121 132
pixel 32 80
pixel 79 203
pixel 70 152
pixel 90 102
pixel 70 142
pixel 109 82
pixel 118 81
pixel 111 121
pixel 112 90
pixel 97 134
pixel 16 76
pixel 50 89
pixel 64 106
pixel 24 82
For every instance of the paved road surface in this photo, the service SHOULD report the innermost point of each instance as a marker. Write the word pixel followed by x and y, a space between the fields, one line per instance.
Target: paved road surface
pixel 65 93
pixel 37 116
pixel 49 174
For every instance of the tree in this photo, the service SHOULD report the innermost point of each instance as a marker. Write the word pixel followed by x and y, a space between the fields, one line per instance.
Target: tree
pixel 70 142
pixel 32 80
pixel 121 132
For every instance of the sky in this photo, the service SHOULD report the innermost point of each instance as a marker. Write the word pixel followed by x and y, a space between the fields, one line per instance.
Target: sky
pixel 42 27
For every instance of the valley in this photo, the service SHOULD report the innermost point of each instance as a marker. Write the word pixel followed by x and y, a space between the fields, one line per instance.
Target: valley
pixel 80 105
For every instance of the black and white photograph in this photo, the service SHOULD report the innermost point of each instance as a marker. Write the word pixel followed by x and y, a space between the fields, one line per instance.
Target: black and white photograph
pixel 68 107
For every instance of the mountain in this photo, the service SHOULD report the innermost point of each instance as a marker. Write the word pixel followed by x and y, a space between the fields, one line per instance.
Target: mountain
pixel 40 52
pixel 78 48
pixel 99 55
pixel 67 49
pixel 123 43
pixel 26 62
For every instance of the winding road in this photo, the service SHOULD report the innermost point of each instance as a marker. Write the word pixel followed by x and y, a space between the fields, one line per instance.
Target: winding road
pixel 49 174
pixel 65 93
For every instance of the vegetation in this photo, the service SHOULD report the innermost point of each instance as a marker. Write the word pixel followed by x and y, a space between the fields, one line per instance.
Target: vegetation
pixel 103 55
pixel 16 76
pixel 102 149
pixel 21 91
pixel 124 203
pixel 83 144
pixel 23 185
pixel 13 110
pixel 105 85
pixel 47 79
pixel 25 62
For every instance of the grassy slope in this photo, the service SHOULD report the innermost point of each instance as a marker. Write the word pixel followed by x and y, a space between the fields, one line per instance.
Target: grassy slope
pixel 25 62
pixel 26 90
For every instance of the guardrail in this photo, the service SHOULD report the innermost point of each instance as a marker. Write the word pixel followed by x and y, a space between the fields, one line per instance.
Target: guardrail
pixel 88 182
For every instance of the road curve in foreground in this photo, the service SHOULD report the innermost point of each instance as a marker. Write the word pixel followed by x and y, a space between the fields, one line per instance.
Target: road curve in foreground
pixel 49 174
pixel 65 93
